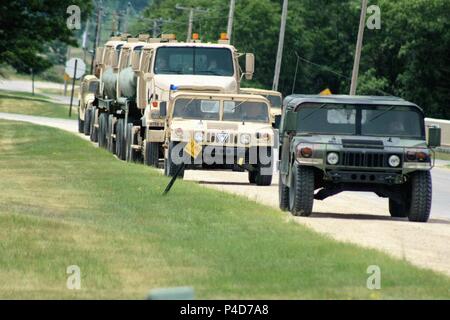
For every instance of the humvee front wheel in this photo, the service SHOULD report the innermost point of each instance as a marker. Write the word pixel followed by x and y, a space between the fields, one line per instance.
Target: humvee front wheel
pixel 283 195
pixel 263 178
pixel 398 210
pixel 301 191
pixel 421 194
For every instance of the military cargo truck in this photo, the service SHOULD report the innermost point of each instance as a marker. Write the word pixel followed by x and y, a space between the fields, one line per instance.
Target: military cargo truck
pixel 331 144
pixel 209 130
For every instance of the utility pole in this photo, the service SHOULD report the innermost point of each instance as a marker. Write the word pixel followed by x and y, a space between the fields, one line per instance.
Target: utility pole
pixel 230 19
pixel 97 34
pixel 85 40
pixel 362 23
pixel 127 16
pixel 295 74
pixel 192 11
pixel 276 77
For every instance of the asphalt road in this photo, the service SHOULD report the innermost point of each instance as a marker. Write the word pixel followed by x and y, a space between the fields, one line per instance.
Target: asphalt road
pixel 360 218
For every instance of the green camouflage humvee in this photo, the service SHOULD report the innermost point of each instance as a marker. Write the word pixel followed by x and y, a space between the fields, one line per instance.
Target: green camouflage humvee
pixel 331 144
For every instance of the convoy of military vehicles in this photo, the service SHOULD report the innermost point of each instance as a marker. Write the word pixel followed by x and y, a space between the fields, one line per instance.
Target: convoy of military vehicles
pixel 180 105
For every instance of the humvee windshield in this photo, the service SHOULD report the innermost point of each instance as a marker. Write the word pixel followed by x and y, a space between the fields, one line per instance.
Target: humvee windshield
pixel 245 111
pixel 275 101
pixel 210 110
pixel 384 120
pixel 194 61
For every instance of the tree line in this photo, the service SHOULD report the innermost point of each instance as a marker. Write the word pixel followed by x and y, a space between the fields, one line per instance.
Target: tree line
pixel 408 57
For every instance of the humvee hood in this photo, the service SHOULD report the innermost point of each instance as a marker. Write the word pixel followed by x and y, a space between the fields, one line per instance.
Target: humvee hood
pixel 361 140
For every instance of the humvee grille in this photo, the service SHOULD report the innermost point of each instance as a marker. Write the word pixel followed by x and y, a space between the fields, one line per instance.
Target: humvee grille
pixel 364 159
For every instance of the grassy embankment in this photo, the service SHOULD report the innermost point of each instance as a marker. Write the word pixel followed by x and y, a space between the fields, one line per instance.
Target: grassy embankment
pixel 37 105
pixel 64 202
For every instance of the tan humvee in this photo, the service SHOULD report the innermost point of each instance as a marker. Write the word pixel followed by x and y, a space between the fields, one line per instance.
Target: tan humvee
pixel 225 131
pixel 86 98
pixel 275 98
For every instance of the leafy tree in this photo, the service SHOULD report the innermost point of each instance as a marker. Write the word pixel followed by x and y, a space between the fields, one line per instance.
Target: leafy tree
pixel 30 28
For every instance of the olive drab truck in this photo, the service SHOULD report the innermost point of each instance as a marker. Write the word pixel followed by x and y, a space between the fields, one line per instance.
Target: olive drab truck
pixel 331 144
pixel 167 66
pixel 276 102
pixel 218 131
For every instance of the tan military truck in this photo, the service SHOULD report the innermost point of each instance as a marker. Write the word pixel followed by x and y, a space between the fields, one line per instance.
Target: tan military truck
pixel 86 103
pixel 212 130
pixel 276 102
pixel 115 63
pixel 167 66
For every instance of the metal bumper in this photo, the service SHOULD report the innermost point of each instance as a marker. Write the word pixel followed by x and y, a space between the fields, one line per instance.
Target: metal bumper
pixel 364 177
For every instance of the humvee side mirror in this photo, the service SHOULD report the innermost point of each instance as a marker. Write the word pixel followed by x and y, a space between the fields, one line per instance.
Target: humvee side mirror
pixel 277 122
pixel 434 136
pixel 249 65
pixel 163 109
pixel 290 123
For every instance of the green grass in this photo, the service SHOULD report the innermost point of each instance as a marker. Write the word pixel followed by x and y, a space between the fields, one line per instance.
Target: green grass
pixel 443 156
pixel 65 202
pixel 37 105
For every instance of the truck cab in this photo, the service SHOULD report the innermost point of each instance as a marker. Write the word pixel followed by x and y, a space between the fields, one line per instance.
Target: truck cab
pixel 330 144
pixel 208 131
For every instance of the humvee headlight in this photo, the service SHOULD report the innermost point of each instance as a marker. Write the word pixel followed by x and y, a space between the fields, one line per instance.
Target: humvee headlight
pixel 179 132
pixel 245 138
pixel 394 161
pixel 198 136
pixel 333 158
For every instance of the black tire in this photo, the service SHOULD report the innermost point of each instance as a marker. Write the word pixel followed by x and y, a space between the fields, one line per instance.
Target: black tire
pixel 87 122
pixel 252 176
pixel 263 179
pixel 421 195
pixel 80 124
pixel 132 154
pixel 170 168
pixel 301 191
pixel 102 130
pixel 111 142
pixel 94 129
pixel 398 210
pixel 151 154
pixel 283 195
pixel 120 139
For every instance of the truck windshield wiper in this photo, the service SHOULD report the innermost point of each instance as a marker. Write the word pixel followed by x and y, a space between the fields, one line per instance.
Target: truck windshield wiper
pixel 380 114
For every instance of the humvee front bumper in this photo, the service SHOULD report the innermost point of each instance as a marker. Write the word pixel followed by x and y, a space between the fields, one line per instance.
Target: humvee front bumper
pixel 364 177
